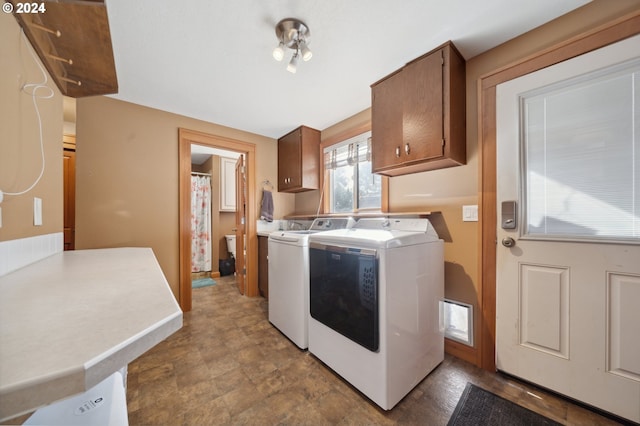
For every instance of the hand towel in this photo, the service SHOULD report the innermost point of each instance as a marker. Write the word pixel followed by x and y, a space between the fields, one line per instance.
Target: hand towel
pixel 266 209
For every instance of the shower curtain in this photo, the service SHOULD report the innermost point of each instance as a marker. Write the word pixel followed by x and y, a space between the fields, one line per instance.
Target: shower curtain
pixel 200 223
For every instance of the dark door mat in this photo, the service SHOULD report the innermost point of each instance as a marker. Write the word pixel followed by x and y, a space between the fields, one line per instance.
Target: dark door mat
pixel 479 407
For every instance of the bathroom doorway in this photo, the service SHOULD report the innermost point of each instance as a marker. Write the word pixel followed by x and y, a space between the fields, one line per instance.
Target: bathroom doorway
pixel 213 210
pixel 187 139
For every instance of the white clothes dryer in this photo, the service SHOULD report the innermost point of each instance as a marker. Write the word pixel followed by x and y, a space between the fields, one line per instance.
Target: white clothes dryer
pixel 375 301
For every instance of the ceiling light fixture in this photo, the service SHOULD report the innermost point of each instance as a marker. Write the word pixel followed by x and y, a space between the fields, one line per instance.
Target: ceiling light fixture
pixel 294 34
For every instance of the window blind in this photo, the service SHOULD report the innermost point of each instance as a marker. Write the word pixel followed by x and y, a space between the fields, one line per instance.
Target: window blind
pixel 581 156
pixel 348 152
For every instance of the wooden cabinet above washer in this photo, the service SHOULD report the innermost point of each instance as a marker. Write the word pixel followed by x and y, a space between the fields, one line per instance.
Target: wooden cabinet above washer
pixel 418 115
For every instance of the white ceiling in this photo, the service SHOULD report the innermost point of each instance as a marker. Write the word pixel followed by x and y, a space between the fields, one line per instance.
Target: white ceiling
pixel 211 59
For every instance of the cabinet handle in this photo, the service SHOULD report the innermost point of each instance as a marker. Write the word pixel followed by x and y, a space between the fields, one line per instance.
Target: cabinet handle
pixel 407 149
pixel 397 151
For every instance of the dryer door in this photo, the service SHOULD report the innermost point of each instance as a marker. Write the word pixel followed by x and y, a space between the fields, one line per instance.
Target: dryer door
pixel 344 291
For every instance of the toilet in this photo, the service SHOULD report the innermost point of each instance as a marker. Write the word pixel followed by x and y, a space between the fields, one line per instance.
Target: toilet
pixel 231 244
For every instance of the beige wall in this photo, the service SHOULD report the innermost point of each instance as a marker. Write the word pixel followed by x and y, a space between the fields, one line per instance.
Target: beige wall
pixel 20 155
pixel 447 190
pixel 127 177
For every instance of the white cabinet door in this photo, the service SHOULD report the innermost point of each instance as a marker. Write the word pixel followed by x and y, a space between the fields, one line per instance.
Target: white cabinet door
pixel 227 184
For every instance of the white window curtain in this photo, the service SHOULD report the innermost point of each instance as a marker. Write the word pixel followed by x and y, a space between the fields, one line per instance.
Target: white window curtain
pixel 200 223
pixel 349 152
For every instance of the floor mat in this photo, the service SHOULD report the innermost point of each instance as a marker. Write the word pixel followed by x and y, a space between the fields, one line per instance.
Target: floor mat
pixel 203 282
pixel 479 407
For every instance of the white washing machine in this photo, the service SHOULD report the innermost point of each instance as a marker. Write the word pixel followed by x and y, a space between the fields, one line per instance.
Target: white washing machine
pixel 289 278
pixel 375 298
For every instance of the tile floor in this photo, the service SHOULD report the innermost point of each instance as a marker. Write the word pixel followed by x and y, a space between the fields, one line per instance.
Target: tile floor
pixel 229 365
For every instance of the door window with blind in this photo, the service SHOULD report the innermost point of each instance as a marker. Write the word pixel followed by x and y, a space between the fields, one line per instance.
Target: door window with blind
pixel 581 158
pixel 351 185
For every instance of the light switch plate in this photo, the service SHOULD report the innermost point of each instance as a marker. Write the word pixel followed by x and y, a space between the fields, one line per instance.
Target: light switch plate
pixel 470 213
pixel 37 211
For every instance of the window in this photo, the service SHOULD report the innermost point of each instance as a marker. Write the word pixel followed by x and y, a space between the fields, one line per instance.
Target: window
pixel 351 185
pixel 581 156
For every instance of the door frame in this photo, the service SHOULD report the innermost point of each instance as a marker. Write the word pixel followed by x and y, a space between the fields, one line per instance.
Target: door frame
pixel 616 30
pixel 187 137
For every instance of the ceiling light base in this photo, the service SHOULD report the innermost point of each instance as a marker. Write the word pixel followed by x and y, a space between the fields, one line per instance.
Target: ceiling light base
pixel 291 31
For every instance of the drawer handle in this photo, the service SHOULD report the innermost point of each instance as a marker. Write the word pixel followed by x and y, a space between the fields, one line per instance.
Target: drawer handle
pixel 397 151
pixel 407 149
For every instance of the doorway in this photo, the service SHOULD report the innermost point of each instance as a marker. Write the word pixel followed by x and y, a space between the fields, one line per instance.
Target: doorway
pixel 568 274
pixel 69 190
pixel 213 210
pixel 186 138
pixel 610 33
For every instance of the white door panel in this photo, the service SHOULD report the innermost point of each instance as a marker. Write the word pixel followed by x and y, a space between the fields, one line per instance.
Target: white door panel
pixel 568 306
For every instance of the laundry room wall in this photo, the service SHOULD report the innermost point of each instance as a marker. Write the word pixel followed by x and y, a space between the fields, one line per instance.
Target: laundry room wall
pixel 20 156
pixel 127 176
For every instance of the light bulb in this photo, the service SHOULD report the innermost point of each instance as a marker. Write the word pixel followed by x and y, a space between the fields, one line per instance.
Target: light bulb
pixel 278 52
pixel 293 64
pixel 306 52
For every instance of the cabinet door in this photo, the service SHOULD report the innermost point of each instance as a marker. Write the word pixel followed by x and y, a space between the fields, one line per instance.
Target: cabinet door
pixel 227 184
pixel 423 115
pixel 289 161
pixel 386 121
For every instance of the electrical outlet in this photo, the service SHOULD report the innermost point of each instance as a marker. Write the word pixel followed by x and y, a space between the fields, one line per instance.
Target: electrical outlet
pixel 470 213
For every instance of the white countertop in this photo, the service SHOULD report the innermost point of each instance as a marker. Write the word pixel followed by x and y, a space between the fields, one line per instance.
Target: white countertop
pixel 72 319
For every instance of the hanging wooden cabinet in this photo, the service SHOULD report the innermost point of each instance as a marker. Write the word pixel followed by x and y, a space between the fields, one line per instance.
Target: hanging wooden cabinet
pixel 418 115
pixel 73 42
pixel 299 160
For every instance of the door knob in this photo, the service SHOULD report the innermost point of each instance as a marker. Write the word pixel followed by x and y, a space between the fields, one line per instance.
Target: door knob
pixel 508 242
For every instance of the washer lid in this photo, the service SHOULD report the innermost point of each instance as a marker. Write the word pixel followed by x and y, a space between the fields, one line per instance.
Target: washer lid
pixel 374 238
pixel 299 238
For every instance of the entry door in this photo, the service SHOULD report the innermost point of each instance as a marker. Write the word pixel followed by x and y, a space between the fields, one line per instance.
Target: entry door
pixel 568 258
pixel 241 188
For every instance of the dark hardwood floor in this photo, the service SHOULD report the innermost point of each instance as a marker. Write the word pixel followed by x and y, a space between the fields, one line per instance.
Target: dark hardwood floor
pixel 229 365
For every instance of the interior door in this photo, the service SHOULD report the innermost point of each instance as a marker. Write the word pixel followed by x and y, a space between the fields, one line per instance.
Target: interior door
pixel 241 195
pixel 568 269
pixel 69 180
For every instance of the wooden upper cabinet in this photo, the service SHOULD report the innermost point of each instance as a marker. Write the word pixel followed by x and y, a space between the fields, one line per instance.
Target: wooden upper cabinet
pixel 418 115
pixel 299 160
